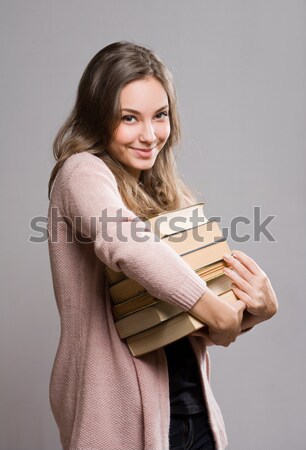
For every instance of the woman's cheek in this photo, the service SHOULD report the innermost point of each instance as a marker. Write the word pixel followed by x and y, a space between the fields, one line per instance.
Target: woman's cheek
pixel 164 132
pixel 126 134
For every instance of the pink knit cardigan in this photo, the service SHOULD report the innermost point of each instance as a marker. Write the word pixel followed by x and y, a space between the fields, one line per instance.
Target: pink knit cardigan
pixel 101 397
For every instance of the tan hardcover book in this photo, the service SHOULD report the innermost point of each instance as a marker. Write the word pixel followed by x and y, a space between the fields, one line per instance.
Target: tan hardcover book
pixel 125 290
pixel 211 271
pixel 220 284
pixel 113 276
pixel 166 332
pixel 206 255
pixel 134 304
pixel 194 238
pixel 171 222
pixel 146 318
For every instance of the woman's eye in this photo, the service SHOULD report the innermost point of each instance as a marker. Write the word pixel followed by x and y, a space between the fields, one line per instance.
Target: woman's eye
pixel 162 114
pixel 128 119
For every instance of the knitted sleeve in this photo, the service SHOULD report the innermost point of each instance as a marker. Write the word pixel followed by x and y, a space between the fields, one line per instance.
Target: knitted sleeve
pixel 95 208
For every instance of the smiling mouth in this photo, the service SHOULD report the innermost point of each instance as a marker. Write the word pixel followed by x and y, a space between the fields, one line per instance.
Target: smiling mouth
pixel 143 149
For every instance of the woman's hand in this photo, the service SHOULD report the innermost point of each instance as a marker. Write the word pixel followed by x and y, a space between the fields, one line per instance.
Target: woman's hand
pixel 251 285
pixel 227 334
pixel 223 319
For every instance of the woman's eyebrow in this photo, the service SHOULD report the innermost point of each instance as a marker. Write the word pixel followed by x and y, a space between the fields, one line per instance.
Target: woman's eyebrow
pixel 130 110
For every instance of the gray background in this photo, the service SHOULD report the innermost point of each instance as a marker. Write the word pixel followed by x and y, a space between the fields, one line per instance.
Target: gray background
pixel 240 68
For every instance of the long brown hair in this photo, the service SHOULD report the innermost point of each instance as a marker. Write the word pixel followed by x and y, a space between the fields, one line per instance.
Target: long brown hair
pixel 96 115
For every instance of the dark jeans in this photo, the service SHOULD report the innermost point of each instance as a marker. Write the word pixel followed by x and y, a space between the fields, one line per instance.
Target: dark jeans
pixel 190 432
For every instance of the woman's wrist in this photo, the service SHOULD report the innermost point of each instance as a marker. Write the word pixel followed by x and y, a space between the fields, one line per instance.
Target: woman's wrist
pixel 215 312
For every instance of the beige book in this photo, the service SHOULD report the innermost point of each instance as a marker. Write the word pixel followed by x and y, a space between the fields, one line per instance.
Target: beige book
pixel 171 222
pixel 206 255
pixel 211 271
pixel 194 238
pixel 146 318
pixel 220 284
pixel 134 304
pixel 166 332
pixel 113 276
pixel 125 290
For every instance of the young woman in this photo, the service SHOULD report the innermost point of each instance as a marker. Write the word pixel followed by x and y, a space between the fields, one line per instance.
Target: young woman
pixel 115 162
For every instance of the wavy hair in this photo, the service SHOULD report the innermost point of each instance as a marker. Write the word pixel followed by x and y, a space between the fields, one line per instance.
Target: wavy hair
pixel 96 115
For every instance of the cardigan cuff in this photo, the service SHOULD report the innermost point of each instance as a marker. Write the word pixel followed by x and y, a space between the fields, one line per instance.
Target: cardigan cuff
pixel 189 291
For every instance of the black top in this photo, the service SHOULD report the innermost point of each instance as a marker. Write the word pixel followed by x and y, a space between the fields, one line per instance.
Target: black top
pixel 186 395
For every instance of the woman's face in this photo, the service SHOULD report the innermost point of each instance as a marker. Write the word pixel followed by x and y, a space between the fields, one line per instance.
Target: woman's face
pixel 144 125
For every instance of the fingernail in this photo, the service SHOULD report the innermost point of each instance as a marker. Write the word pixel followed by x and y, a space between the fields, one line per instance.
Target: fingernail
pixel 227 256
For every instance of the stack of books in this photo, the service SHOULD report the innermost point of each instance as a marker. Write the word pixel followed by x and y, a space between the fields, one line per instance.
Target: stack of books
pixel 148 323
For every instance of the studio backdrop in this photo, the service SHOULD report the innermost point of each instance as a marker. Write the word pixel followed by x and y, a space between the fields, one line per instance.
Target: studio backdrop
pixel 240 72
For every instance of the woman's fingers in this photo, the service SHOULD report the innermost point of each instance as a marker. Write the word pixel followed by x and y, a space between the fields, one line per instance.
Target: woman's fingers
pixel 239 267
pixel 251 285
pixel 242 295
pixel 248 262
pixel 237 279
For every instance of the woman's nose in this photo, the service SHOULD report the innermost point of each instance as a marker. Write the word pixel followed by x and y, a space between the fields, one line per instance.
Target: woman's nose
pixel 147 133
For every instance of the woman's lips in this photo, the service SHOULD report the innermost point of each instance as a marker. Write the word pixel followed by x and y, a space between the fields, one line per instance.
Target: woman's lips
pixel 143 152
